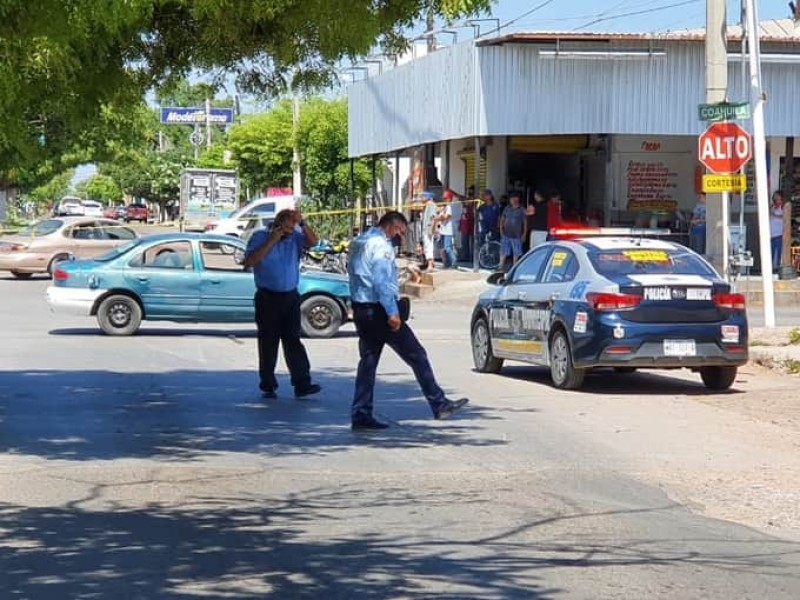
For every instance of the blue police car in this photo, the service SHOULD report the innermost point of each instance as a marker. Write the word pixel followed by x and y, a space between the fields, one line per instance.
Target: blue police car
pixel 622 302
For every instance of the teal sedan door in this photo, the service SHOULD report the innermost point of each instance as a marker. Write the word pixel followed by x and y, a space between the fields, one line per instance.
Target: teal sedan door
pixel 164 277
pixel 226 289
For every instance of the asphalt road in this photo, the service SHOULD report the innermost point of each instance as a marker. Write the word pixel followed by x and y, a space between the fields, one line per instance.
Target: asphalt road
pixel 148 467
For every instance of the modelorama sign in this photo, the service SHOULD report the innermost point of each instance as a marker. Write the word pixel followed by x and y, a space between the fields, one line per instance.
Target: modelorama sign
pixel 175 115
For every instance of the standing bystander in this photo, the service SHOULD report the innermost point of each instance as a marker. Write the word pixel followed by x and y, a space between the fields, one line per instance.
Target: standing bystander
pixel 488 215
pixel 512 230
pixel 446 231
pixel 373 285
pixel 274 256
pixel 776 229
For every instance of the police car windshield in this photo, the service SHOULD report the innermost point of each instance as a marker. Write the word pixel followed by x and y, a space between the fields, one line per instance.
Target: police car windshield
pixel 637 261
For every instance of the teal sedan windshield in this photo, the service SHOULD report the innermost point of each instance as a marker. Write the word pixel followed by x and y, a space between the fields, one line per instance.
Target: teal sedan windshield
pixel 117 251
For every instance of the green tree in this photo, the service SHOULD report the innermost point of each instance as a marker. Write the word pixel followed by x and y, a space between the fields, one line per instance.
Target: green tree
pixel 64 63
pixel 104 189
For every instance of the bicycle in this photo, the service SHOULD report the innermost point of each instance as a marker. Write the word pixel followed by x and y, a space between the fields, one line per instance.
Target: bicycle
pixel 489 252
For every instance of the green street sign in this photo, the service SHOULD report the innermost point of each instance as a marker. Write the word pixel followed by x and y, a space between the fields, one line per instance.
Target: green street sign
pixel 724 111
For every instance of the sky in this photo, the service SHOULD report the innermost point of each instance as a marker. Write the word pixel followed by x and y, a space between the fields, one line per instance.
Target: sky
pixel 645 16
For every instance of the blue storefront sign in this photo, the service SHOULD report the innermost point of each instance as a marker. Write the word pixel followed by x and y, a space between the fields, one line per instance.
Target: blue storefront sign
pixel 181 115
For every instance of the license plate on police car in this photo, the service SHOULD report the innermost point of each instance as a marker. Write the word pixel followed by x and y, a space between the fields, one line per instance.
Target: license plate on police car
pixel 679 348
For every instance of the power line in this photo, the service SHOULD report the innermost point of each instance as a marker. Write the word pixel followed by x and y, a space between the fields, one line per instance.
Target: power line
pixel 525 14
pixel 636 13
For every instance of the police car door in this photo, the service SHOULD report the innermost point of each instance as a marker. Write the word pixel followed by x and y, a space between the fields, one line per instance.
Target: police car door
pixel 552 295
pixel 512 316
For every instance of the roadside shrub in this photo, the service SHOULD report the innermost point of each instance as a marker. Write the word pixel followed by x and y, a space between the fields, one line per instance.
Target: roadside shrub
pixel 794 336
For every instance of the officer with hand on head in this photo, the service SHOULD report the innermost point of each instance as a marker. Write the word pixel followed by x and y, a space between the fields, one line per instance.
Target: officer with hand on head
pixel 274 256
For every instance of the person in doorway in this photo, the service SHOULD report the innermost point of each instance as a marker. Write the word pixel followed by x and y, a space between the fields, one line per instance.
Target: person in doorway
pixel 373 285
pixel 274 256
pixel 429 226
pixel 512 230
pixel 538 222
pixel 446 231
pixel 697 225
pixel 776 229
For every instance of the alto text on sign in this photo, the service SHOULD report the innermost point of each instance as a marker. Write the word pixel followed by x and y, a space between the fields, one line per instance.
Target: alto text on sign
pixel 724 147
pixel 714 184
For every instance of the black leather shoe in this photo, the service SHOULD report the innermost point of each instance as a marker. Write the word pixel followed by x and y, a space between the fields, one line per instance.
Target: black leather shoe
pixel 370 423
pixel 308 391
pixel 269 395
pixel 450 407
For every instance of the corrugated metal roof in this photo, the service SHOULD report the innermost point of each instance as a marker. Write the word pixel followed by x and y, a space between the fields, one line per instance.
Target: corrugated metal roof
pixel 778 30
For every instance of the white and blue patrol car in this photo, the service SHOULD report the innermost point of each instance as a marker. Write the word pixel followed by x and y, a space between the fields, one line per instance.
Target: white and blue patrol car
pixel 621 302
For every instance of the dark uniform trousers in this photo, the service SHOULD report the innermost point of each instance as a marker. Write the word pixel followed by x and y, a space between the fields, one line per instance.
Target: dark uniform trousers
pixel 373 335
pixel 278 320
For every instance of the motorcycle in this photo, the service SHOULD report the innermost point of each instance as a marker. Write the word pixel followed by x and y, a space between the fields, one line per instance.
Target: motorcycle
pixel 326 256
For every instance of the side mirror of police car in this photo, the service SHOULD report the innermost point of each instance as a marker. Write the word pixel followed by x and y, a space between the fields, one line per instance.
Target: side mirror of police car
pixel 496 278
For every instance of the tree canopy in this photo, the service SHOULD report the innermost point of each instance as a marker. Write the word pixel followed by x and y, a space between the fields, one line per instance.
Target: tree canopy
pixel 69 70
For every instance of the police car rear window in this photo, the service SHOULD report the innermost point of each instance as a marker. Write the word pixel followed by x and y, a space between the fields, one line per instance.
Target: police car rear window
pixel 635 261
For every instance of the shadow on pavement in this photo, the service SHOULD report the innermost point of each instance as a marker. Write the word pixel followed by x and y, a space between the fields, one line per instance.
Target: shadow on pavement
pixel 185 414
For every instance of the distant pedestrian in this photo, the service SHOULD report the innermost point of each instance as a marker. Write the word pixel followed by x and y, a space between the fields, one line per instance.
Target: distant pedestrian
pixel 512 230
pixel 697 225
pixel 776 229
pixel 467 229
pixel 447 231
pixel 373 286
pixel 274 256
pixel 429 229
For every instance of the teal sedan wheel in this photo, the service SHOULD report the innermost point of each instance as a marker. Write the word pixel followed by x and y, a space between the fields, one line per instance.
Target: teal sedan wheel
pixel 119 315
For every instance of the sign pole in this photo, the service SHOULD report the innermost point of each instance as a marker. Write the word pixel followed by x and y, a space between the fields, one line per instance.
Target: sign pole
pixel 760 147
pixel 716 55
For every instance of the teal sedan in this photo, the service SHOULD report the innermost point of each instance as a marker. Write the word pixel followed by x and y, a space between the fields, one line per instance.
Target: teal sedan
pixel 184 278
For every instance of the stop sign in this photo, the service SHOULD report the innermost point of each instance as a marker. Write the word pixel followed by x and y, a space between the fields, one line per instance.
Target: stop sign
pixel 724 147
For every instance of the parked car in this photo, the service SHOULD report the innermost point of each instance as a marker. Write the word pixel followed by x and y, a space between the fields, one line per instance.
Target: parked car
pixel 92 208
pixel 137 212
pixel 68 206
pixel 115 212
pixel 185 278
pixel 624 303
pixel 260 208
pixel 38 247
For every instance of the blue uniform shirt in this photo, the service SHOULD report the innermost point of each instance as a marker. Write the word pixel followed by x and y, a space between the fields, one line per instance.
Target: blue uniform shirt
pixel 372 270
pixel 279 270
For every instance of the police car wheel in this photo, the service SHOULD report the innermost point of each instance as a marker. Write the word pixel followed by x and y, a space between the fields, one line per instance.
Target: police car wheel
pixel 483 358
pixel 562 371
pixel 718 378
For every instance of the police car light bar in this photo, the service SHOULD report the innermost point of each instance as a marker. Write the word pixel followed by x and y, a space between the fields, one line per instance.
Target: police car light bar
pixel 573 232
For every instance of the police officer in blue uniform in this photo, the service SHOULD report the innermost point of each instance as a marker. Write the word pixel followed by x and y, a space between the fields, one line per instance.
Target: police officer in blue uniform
pixel 274 256
pixel 373 287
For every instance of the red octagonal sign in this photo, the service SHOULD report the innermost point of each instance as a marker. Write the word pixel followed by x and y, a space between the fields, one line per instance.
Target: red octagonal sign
pixel 724 147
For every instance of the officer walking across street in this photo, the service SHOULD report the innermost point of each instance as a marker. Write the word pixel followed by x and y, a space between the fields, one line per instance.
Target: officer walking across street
pixel 274 256
pixel 373 286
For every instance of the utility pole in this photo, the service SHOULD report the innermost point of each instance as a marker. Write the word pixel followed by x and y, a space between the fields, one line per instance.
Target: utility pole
pixel 297 179
pixel 429 22
pixel 208 124
pixel 760 153
pixel 716 92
